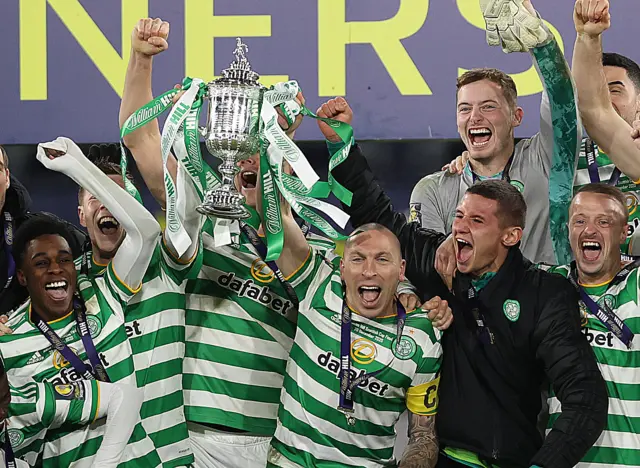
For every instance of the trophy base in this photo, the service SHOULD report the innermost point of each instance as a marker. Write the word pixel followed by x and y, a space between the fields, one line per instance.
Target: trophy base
pixel 224 212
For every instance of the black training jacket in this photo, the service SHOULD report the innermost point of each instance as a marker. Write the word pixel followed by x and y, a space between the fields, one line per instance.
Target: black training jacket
pixel 490 389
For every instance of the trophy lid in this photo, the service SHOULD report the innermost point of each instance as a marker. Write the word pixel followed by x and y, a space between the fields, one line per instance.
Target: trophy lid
pixel 239 72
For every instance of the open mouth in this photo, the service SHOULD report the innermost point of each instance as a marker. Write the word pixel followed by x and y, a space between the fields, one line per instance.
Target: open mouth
pixel 464 250
pixel 479 137
pixel 248 179
pixel 591 250
pixel 369 294
pixel 108 225
pixel 57 290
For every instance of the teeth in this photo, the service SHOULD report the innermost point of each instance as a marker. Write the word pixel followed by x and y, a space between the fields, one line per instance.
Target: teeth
pixel 56 284
pixel 108 219
pixel 250 173
pixel 370 288
pixel 590 244
pixel 480 131
pixel 462 241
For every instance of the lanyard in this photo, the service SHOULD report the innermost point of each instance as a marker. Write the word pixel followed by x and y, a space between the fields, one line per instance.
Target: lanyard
pixel 505 172
pixel 591 152
pixel 347 384
pixel 257 243
pixel 88 373
pixel 9 457
pixel 8 243
pixel 603 312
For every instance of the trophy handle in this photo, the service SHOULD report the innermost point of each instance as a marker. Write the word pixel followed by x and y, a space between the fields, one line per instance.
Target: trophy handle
pixel 203 131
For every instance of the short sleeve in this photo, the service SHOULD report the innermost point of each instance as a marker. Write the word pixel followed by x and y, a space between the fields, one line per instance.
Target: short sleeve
pixel 422 396
pixel 178 270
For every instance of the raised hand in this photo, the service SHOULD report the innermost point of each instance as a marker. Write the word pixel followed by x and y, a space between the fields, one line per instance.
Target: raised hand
pixel 591 17
pixel 149 37
pixel 336 109
pixel 513 25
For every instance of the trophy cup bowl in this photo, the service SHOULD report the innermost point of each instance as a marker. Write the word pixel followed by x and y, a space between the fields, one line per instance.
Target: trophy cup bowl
pixel 232 132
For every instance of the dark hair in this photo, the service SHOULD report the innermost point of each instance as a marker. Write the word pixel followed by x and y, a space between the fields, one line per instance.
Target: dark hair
pixel 609 191
pixel 512 209
pixel 36 226
pixel 369 227
pixel 104 157
pixel 616 60
pixel 495 76
pixel 5 157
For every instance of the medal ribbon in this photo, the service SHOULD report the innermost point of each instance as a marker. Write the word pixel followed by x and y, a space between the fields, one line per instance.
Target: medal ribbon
pixel 591 152
pixel 9 457
pixel 347 384
pixel 603 312
pixel 8 243
pixel 87 372
pixel 257 243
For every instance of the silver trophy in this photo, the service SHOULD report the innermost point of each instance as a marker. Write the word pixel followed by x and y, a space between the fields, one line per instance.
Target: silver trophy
pixel 232 131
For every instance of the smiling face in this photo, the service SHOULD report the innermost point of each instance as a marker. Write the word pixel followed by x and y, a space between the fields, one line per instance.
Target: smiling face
pixel 481 242
pixel 486 120
pixel 624 95
pixel 104 230
pixel 371 269
pixel 597 227
pixel 247 179
pixel 49 274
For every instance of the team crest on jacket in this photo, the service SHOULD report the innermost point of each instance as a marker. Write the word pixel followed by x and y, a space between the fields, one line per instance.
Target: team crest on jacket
pixel 519 185
pixel 511 309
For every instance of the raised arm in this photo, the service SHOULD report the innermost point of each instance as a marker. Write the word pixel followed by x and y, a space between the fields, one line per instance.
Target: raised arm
pixel 573 372
pixel 556 147
pixel 148 38
pixel 371 205
pixel 601 121
pixel 134 254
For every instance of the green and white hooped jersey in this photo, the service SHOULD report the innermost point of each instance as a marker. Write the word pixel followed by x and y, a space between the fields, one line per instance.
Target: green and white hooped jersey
pixel 311 430
pixel 619 444
pixel 155 326
pixel 627 186
pixel 240 328
pixel 37 408
pixel 27 354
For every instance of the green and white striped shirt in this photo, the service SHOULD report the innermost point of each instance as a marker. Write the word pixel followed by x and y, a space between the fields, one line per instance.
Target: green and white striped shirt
pixel 627 186
pixel 155 325
pixel 240 328
pixel 311 430
pixel 619 444
pixel 37 408
pixel 26 353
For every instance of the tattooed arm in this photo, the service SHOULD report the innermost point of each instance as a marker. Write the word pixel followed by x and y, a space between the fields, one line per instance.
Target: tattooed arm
pixel 422 450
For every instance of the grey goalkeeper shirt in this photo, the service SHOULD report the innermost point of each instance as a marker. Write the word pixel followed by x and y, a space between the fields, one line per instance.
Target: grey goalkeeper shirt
pixel 542 168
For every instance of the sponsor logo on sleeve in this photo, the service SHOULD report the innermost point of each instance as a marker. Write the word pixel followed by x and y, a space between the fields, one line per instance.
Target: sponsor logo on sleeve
pixel 415 215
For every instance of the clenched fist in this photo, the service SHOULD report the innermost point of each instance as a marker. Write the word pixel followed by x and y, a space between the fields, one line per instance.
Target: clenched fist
pixel 149 37
pixel 336 109
pixel 591 17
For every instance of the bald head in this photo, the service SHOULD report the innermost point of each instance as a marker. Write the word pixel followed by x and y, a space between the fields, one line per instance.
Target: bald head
pixel 367 231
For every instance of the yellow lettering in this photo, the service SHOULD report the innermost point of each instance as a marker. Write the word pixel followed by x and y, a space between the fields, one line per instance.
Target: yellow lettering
pixel 33 42
pixel 334 33
pixel 201 29
pixel 527 82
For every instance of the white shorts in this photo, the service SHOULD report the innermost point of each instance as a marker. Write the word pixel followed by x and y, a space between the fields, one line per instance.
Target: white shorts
pixel 217 449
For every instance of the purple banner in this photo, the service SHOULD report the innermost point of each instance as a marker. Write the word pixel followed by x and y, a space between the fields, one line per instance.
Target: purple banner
pixel 396 61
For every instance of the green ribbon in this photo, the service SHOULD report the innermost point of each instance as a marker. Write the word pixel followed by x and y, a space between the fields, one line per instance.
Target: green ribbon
pixel 270 207
pixel 138 119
